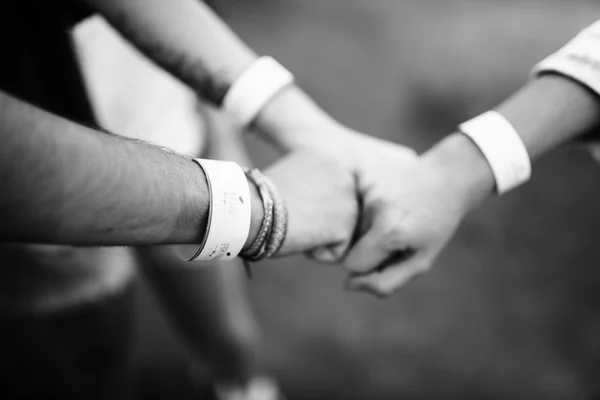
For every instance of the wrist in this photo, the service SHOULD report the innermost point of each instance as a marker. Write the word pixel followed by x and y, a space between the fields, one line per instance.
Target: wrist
pixel 192 218
pixel 227 214
pixel 466 171
pixel 292 120
pixel 265 96
pixel 222 79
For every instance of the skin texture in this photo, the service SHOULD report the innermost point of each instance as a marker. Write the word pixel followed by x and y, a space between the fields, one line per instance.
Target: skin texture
pixel 183 36
pixel 168 33
pixel 292 121
pixel 120 192
pixel 453 177
pixel 141 194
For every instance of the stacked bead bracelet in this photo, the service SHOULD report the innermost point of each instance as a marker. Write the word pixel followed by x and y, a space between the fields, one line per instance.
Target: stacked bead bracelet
pixel 273 229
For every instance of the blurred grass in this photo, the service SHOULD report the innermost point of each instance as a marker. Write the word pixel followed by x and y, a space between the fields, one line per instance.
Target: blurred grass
pixel 512 309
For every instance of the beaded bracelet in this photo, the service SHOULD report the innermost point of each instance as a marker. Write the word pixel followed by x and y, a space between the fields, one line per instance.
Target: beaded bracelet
pixel 273 228
pixel 280 221
pixel 257 248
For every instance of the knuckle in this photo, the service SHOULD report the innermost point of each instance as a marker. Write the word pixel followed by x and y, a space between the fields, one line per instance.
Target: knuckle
pixel 394 238
pixel 423 266
pixel 377 200
pixel 404 151
pixel 327 255
pixel 386 291
pixel 350 264
pixel 340 239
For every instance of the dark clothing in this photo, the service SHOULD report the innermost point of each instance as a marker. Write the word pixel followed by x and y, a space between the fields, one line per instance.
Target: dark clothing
pixel 80 353
pixel 38 63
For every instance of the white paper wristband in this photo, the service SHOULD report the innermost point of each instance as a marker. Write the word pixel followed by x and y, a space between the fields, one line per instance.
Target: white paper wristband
pixel 579 59
pixel 229 211
pixel 502 147
pixel 255 87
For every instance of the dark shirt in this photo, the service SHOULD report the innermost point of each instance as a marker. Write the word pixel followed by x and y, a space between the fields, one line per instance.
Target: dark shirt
pixel 38 63
pixel 80 352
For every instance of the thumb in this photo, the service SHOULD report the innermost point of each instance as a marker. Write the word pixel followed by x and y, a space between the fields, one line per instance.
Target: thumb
pixel 379 247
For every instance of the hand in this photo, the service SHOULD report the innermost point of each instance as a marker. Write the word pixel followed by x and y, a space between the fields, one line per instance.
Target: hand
pixel 321 201
pixel 411 205
pixel 405 219
pixel 411 210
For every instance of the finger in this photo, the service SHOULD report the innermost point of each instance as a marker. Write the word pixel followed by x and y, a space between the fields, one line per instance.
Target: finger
pixel 388 281
pixel 328 254
pixel 376 249
pixel 382 284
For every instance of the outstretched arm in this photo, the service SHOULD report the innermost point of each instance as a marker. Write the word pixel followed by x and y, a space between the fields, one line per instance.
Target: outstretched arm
pixel 64 183
pixel 189 40
pixel 453 177
pixel 61 182
pixel 547 112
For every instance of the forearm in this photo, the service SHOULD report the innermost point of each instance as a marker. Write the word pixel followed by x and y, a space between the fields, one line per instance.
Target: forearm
pixel 65 183
pixel 550 111
pixel 186 38
pixel 547 112
pixel 183 36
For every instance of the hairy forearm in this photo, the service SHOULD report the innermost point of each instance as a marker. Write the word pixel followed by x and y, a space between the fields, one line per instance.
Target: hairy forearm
pixel 547 112
pixel 61 182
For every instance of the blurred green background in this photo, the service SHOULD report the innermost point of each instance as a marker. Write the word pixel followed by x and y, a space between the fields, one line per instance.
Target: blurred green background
pixel 512 307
